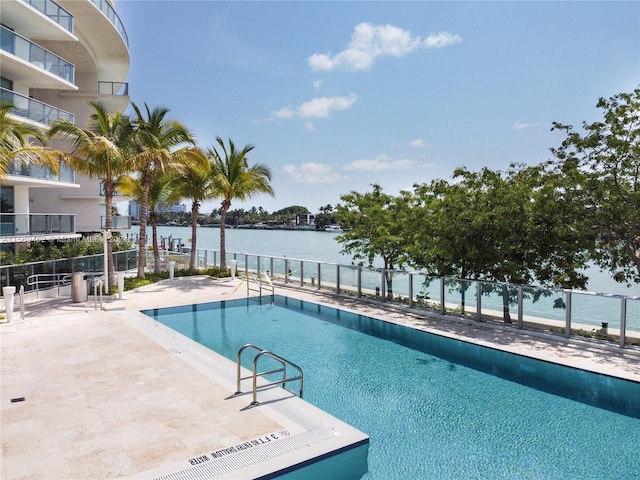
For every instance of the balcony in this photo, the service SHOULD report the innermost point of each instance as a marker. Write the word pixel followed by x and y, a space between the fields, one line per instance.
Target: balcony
pixel 29 227
pixel 36 55
pixel 18 169
pixel 118 222
pixel 54 11
pixel 113 88
pixel 33 109
pixel 108 11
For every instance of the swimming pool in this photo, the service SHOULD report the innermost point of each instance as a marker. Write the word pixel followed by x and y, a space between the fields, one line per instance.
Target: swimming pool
pixel 435 407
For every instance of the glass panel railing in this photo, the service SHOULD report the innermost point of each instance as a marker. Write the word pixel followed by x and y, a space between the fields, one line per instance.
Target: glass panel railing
pixel 54 11
pixel 113 88
pixel 65 174
pixel 33 109
pixel 12 224
pixel 105 7
pixel 36 55
pixel 118 222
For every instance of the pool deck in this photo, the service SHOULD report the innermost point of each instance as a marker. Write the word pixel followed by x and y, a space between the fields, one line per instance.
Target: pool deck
pixel 111 394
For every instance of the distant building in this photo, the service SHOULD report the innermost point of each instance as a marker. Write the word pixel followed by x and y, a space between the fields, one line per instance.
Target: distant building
pixel 134 209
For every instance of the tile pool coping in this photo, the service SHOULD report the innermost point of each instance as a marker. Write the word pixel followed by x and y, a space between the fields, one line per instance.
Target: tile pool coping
pixel 66 360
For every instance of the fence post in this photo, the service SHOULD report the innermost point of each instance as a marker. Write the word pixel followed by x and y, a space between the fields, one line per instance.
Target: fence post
pixel 410 290
pixel 520 307
pixel 383 285
pixel 623 320
pixel 359 280
pixel 337 278
pixel 442 295
pixel 479 300
pixel 301 273
pixel 567 323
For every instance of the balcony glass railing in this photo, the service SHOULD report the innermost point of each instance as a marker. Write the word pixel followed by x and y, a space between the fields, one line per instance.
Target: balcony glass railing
pixel 33 109
pixel 113 88
pixel 54 11
pixel 118 222
pixel 23 224
pixel 108 11
pixel 65 174
pixel 36 55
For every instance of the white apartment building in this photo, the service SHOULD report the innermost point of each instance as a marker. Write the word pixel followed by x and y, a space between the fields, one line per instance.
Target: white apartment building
pixel 54 57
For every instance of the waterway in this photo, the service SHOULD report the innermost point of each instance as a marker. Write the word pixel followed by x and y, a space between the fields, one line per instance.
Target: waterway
pixel 318 246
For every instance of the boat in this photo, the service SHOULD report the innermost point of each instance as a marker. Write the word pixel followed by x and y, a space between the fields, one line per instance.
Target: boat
pixel 333 228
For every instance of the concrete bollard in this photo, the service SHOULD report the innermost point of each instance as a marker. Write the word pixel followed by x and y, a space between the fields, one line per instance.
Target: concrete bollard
pixel 8 293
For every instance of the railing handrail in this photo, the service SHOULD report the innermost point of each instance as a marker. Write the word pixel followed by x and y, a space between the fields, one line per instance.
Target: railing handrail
pixel 254 376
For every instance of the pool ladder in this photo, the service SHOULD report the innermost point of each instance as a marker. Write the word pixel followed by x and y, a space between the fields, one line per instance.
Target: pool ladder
pixel 255 374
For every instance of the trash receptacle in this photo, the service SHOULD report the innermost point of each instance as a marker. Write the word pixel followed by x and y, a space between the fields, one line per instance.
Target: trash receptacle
pixel 78 287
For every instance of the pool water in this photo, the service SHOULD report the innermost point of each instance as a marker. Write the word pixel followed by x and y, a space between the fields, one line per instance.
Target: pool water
pixel 435 407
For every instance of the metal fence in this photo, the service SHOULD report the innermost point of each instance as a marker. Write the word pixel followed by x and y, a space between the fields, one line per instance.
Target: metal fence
pixel 611 317
pixel 18 275
pixel 601 316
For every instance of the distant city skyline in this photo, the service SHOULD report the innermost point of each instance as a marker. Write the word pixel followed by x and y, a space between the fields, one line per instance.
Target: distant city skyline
pixel 336 96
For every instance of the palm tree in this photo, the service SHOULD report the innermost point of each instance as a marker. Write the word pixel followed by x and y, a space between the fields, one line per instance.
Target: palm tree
pixel 196 184
pixel 157 138
pixel 159 193
pixel 102 150
pixel 15 144
pixel 235 179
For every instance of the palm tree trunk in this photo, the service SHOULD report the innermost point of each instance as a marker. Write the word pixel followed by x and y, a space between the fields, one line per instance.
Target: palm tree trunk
pixel 195 208
pixel 223 249
pixel 153 218
pixel 142 245
pixel 108 224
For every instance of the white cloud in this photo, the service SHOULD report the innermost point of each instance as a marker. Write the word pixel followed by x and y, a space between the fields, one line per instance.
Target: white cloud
pixel 319 107
pixel 285 112
pixel 383 162
pixel 368 42
pixel 312 172
pixel 317 84
pixel 417 143
pixel 523 125
pixel 309 127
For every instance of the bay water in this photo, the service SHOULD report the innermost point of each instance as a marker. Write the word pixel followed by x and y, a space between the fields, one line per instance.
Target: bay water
pixel 317 246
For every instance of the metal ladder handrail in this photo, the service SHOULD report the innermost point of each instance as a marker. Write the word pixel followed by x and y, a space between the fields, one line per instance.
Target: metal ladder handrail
pixel 254 375
pixel 258 281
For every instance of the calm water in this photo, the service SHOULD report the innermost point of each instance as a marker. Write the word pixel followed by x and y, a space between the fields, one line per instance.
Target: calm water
pixel 430 404
pixel 319 246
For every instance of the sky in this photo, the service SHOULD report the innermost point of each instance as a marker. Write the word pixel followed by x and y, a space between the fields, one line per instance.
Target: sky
pixel 339 95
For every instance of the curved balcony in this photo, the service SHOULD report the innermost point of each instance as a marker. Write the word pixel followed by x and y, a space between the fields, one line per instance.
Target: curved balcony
pixel 55 12
pixel 35 55
pixel 105 7
pixel 33 110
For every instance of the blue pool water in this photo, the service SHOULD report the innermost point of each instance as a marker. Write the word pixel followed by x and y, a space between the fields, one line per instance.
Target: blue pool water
pixel 435 407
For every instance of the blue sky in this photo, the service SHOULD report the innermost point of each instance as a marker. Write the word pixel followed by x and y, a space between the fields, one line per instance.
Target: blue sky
pixel 336 96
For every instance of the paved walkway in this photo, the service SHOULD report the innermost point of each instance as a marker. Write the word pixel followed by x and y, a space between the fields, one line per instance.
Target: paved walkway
pixel 89 393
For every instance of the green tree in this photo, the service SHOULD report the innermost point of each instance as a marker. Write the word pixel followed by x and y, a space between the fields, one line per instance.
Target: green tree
pixel 605 161
pixel 102 150
pixel 374 224
pixel 508 227
pixel 235 179
pixel 16 144
pixel 159 191
pixel 162 145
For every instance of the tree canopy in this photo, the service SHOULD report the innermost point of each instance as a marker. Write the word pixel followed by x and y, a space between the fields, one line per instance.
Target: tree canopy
pixel 605 165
